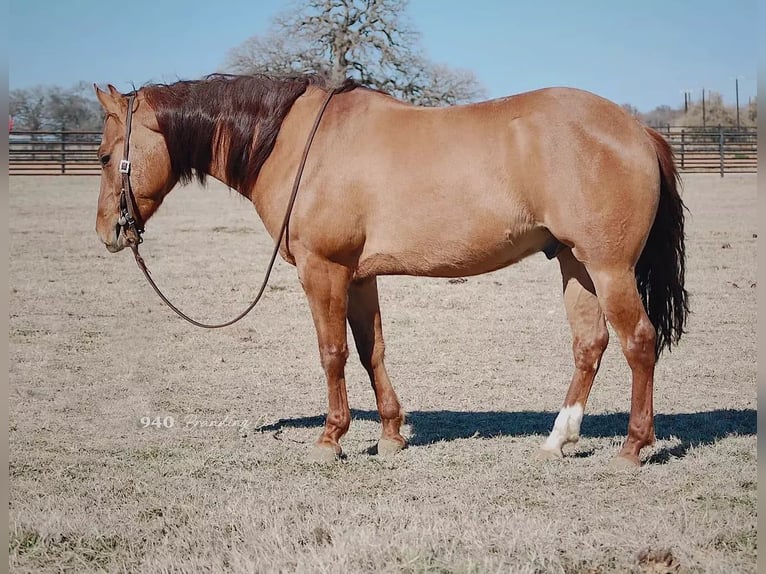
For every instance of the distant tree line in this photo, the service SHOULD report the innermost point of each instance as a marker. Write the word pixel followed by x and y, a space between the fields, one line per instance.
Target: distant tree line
pixel 42 108
pixel 714 113
pixel 56 108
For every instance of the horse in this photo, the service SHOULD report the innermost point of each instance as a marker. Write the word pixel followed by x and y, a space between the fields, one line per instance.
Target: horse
pixel 390 188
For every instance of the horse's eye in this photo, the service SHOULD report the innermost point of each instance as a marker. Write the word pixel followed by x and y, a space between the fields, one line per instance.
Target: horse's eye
pixel 105 159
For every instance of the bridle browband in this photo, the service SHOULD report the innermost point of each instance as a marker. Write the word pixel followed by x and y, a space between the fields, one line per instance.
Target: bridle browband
pixel 132 227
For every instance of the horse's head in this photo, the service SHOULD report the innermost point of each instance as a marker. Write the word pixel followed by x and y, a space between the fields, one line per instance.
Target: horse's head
pixel 151 176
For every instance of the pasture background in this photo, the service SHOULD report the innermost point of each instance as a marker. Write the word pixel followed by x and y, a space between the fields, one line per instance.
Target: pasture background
pixel 481 367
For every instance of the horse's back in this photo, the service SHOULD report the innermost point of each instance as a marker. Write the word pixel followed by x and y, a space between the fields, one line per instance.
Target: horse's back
pixel 468 189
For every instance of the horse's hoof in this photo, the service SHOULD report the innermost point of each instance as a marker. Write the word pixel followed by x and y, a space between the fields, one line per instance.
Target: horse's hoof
pixel 390 446
pixel 624 463
pixel 324 454
pixel 544 454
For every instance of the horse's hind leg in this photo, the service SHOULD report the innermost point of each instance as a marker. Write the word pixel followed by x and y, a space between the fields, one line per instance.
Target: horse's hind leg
pixel 589 340
pixel 619 298
pixel 365 321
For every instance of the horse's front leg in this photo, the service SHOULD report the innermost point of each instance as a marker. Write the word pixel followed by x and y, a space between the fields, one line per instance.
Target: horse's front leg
pixel 366 325
pixel 326 286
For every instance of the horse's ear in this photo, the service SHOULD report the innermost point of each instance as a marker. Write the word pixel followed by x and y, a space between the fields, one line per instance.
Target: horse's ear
pixel 112 101
pixel 103 98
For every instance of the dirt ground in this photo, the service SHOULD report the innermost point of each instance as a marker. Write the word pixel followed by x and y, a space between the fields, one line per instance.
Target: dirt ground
pixel 215 477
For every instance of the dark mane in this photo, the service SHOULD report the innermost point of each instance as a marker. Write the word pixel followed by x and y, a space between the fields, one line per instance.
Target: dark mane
pixel 244 112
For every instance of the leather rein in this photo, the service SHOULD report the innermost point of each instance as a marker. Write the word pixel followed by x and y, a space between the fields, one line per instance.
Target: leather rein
pixel 132 227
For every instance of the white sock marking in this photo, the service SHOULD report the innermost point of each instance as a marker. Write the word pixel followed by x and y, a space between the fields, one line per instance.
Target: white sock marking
pixel 565 429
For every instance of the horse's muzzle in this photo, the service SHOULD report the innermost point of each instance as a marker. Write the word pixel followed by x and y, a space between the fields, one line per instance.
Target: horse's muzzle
pixel 115 247
pixel 114 239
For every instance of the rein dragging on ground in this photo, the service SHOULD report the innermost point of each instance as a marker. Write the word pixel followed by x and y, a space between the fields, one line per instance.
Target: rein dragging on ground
pixel 128 221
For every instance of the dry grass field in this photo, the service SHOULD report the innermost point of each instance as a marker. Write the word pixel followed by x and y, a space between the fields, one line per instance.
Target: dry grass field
pixel 481 367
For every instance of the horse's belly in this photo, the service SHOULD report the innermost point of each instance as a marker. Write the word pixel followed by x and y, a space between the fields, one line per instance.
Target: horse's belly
pixel 454 256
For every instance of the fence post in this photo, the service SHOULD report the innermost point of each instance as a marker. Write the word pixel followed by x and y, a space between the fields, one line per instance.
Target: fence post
pixel 683 146
pixel 63 152
pixel 720 146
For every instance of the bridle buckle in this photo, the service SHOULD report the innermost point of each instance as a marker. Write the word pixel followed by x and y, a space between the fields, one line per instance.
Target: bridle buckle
pixel 125 166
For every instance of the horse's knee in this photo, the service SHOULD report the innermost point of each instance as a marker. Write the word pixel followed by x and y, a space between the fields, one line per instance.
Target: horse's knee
pixel 333 358
pixel 588 350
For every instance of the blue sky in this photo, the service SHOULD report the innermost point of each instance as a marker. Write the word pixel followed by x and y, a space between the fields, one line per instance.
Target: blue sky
pixel 642 52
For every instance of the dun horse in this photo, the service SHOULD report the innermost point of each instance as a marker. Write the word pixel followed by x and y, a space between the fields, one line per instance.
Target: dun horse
pixel 392 188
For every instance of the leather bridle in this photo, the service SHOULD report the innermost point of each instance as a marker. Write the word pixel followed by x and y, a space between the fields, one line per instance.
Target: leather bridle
pixel 132 227
pixel 128 208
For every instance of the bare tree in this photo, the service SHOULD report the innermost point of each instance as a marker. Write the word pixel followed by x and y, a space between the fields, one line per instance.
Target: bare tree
pixel 662 116
pixel 55 108
pixel 74 108
pixel 28 108
pixel 752 113
pixel 368 40
pixel 632 110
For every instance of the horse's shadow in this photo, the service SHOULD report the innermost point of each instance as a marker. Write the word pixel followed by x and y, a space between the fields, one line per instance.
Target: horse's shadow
pixel 691 429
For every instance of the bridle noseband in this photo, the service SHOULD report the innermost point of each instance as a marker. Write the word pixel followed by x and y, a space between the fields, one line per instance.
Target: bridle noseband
pixel 132 227
pixel 128 221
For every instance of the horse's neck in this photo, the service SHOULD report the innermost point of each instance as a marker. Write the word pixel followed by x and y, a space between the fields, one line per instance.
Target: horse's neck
pixel 218 166
pixel 270 190
pixel 217 171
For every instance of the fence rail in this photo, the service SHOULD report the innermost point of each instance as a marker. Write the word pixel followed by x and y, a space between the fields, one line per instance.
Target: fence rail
pixel 53 153
pixel 714 149
pixel 698 149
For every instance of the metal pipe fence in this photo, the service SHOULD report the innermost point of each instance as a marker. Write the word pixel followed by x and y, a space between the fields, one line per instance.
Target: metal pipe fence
pixel 53 153
pixel 714 149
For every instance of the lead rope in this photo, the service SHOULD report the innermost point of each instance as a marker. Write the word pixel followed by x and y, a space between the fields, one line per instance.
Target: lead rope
pixel 277 243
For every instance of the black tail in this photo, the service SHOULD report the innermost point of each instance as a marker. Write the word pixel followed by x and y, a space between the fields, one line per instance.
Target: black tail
pixel 660 269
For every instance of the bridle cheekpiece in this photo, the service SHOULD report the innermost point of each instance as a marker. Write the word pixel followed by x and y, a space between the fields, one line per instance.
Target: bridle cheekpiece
pixel 128 220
